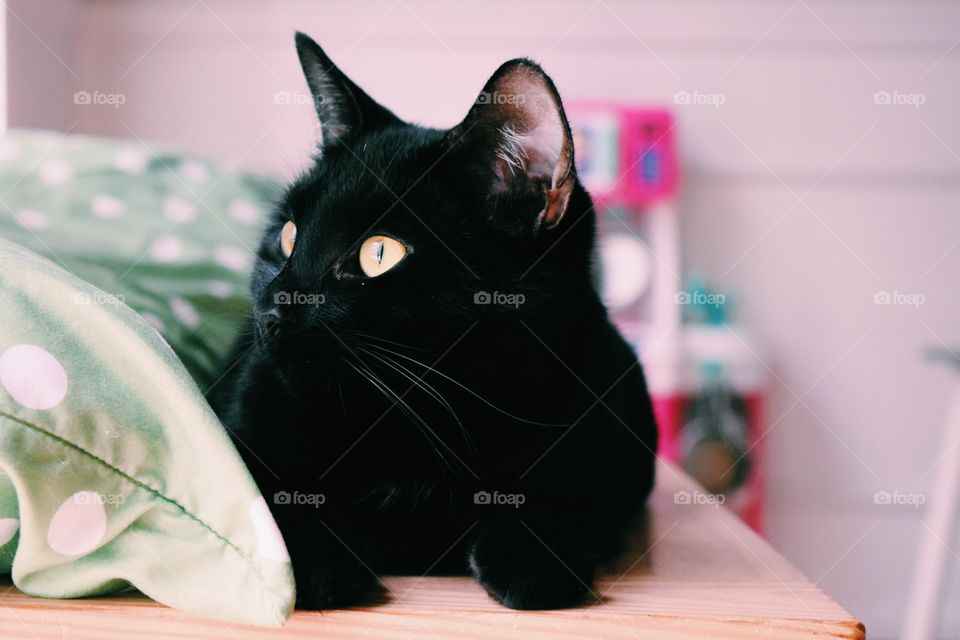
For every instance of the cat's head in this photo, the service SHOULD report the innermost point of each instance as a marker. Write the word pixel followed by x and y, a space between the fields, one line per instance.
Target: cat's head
pixel 414 234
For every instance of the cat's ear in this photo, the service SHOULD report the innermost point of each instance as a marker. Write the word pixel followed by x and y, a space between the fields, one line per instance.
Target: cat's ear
pixel 517 127
pixel 343 107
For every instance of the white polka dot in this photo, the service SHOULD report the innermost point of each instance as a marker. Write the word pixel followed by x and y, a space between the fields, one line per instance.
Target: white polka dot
pixel 78 525
pixel 55 172
pixel 132 162
pixel 107 207
pixel 231 258
pixel 167 249
pixel 179 210
pixel 185 312
pixel 269 540
pixel 31 219
pixel 219 288
pixel 194 171
pixel 33 377
pixel 9 150
pixel 8 529
pixel 154 321
pixel 244 212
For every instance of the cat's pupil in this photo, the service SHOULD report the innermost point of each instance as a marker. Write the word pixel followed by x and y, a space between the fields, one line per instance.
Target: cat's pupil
pixel 378 252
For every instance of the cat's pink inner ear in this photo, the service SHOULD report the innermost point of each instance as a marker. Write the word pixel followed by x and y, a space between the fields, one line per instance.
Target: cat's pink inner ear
pixel 556 206
pixel 532 136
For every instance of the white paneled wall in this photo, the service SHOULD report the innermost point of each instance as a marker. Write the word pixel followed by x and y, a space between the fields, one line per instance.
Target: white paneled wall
pixel 802 195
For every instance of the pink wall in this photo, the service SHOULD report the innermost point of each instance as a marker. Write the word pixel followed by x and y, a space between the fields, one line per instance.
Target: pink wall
pixel 41 43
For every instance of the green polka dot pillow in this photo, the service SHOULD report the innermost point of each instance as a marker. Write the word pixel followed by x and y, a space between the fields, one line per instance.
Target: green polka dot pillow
pixel 171 236
pixel 122 278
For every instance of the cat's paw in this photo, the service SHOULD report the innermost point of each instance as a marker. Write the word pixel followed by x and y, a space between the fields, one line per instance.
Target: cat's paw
pixel 335 588
pixel 522 572
pixel 331 576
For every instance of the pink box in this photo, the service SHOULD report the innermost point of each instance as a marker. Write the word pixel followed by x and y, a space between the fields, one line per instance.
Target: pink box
pixel 624 154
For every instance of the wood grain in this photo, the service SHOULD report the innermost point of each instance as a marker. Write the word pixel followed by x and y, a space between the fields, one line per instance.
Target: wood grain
pixel 695 571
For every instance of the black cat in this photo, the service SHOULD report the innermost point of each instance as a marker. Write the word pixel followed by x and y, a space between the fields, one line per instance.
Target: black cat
pixel 429 381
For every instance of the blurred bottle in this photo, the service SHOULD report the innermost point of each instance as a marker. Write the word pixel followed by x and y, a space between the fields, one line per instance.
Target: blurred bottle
pixel 714 433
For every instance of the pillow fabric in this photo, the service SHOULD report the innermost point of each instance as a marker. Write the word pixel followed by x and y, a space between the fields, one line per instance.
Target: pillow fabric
pixel 170 235
pixel 114 471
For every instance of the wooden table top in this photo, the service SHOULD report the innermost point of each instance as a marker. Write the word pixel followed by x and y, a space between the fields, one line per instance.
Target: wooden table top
pixel 696 572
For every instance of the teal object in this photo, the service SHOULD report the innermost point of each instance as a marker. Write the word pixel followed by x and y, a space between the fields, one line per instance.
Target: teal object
pixel 706 305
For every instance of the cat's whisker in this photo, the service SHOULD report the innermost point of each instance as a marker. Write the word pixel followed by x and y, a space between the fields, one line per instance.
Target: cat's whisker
pixel 367 336
pixel 431 391
pixel 423 423
pixel 404 408
pixel 468 389
pixel 401 406
pixel 406 373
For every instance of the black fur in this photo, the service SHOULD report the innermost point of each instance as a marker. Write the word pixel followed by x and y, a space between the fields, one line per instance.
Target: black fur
pixel 399 398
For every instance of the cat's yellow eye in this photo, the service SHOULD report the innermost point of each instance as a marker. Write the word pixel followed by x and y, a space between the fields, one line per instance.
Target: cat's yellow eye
pixel 379 254
pixel 288 236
